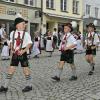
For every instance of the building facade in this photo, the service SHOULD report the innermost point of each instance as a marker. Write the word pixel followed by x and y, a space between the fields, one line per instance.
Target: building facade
pixel 28 9
pixel 58 12
pixel 91 13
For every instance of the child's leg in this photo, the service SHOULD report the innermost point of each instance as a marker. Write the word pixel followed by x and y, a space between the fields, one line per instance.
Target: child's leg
pixel 74 76
pixel 59 71
pixel 60 68
pixel 91 62
pixel 10 73
pixel 73 68
pixel 27 73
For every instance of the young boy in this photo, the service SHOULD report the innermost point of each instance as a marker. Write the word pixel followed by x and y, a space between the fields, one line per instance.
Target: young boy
pixel 20 43
pixel 92 42
pixel 67 46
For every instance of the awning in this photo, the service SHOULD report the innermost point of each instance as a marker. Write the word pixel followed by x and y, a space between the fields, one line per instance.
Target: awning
pixel 60 16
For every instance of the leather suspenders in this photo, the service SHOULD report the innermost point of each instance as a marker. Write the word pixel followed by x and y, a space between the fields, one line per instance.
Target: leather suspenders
pixel 14 40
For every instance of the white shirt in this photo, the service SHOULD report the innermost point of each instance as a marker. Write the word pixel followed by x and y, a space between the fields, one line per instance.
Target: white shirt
pixel 55 34
pixel 26 41
pixel 96 39
pixel 70 40
pixel 1 32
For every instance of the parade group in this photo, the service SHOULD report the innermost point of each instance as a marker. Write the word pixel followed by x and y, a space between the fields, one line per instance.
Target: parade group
pixel 20 47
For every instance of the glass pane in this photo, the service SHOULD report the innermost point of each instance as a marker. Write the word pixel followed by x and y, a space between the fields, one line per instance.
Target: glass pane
pixel 26 1
pixel 65 5
pixel 74 6
pixel 61 2
pixel 52 3
pixel 77 5
pixel 31 2
pixel 12 0
pixel 47 3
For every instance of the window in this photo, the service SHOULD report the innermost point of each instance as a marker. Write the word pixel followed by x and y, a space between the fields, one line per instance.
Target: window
pixel 10 0
pixel 75 7
pixel 50 4
pixel 88 9
pixel 28 2
pixel 38 14
pixel 96 12
pixel 63 5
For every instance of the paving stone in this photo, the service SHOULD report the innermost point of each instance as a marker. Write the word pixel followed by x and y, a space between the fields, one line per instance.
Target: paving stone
pixel 85 88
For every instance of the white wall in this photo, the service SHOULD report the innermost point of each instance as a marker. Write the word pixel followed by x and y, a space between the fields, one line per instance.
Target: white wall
pixel 36 3
pixel 93 3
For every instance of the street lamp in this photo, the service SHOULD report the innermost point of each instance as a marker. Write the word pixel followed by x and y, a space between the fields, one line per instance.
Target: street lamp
pixel 18 15
pixel 74 24
pixel 95 22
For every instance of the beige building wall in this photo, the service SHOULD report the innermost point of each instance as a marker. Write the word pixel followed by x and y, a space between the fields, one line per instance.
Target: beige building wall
pixel 56 16
pixel 9 10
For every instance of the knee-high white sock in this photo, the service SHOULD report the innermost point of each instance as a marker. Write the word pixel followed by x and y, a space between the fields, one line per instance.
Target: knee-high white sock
pixel 92 66
pixel 28 80
pixel 59 71
pixel 7 80
pixel 74 72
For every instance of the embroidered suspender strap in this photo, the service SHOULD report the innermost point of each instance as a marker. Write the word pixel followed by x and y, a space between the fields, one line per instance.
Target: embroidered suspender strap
pixel 87 39
pixel 87 46
pixel 64 43
pixel 93 38
pixel 98 37
pixel 13 41
pixel 22 39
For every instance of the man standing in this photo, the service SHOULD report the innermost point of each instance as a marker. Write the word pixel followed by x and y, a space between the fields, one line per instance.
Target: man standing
pixel 67 46
pixel 55 37
pixel 91 41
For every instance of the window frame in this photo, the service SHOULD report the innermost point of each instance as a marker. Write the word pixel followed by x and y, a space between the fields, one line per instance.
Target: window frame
pixel 50 4
pixel 96 12
pixel 75 7
pixel 10 1
pixel 29 2
pixel 88 9
pixel 64 5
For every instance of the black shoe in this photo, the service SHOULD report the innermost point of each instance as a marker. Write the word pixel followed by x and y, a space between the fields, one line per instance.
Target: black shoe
pixel 3 89
pixel 36 56
pixel 73 78
pixel 27 89
pixel 90 73
pixel 56 78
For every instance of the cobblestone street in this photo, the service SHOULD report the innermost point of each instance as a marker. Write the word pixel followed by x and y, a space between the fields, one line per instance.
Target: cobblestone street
pixel 85 88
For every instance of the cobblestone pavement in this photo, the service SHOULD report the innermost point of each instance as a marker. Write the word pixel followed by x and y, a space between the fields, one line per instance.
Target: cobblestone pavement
pixel 85 88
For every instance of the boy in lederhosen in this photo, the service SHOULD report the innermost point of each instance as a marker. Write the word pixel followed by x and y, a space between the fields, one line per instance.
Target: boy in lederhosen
pixel 91 41
pixel 20 42
pixel 67 46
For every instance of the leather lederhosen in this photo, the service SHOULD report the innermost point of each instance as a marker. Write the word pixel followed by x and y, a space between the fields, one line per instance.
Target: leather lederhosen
pixel 89 49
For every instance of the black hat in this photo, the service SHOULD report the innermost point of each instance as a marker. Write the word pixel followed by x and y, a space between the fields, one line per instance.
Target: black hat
pixel 18 20
pixel 69 25
pixel 91 25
